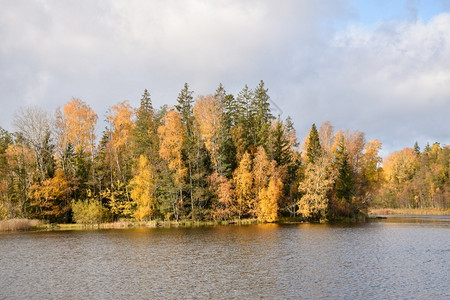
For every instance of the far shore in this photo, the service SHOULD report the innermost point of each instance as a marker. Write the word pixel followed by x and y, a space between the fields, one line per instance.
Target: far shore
pixel 409 211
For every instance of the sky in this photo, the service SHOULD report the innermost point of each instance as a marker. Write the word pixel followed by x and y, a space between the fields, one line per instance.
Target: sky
pixel 380 67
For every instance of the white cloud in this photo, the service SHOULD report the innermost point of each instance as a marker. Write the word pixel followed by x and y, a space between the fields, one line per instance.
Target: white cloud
pixel 392 81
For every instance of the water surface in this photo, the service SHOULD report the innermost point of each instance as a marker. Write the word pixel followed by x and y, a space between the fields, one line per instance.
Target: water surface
pixel 395 258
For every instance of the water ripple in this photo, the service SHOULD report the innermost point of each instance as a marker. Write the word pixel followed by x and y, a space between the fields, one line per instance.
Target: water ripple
pixel 376 260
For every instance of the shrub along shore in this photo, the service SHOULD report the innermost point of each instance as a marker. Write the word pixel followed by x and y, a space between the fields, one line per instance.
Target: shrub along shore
pixel 28 225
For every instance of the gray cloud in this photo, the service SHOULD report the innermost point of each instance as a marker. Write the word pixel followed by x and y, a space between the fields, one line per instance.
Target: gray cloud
pixel 391 81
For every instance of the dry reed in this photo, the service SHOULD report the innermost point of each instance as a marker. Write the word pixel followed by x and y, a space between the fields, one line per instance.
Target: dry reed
pixel 18 224
pixel 410 211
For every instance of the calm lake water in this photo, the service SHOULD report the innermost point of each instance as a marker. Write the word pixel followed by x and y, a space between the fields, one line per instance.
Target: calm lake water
pixel 395 258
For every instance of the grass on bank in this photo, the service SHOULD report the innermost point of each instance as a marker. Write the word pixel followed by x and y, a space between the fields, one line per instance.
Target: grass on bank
pixel 20 225
pixel 26 224
pixel 410 211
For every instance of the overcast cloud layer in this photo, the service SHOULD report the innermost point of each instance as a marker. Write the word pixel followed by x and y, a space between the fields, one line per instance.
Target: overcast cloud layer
pixel 319 59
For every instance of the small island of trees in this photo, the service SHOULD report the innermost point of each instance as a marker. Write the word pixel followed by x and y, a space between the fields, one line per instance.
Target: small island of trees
pixel 218 158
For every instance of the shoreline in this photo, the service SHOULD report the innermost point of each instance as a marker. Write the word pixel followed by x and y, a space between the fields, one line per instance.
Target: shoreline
pixel 36 225
pixel 21 225
pixel 409 211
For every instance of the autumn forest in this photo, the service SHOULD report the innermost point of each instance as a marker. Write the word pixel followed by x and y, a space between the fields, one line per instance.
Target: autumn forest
pixel 216 157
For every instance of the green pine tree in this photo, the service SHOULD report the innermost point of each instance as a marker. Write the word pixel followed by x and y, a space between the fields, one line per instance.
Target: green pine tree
pixel 243 117
pixel 185 108
pixel 227 150
pixel 144 133
pixel 344 180
pixel 416 148
pixel 279 144
pixel 260 115
pixel 314 149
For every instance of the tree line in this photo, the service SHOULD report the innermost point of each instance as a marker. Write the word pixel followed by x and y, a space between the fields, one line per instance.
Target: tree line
pixel 220 157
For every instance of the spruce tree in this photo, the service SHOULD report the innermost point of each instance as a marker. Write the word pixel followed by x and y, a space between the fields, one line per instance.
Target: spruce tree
pixel 417 148
pixel 220 93
pixel 68 160
pixel 427 148
pixel 5 141
pixel 344 180
pixel 195 154
pixel 277 145
pixel 243 116
pixel 313 150
pixel 184 107
pixel 260 115
pixel 144 133
pixel 48 157
pixel 227 150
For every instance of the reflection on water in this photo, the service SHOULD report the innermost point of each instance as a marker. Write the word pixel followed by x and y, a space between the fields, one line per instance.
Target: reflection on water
pixel 387 259
pixel 417 219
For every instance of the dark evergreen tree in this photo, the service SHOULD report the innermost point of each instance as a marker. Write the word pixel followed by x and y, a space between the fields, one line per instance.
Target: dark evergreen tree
pixel 195 156
pixel 227 149
pixel 313 149
pixel 82 166
pixel 5 141
pixel 427 148
pixel 294 175
pixel 278 147
pixel 344 180
pixel 243 116
pixel 68 160
pixel 220 93
pixel 185 107
pixel 144 133
pixel 200 170
pixel 103 167
pixel 260 115
pixel 281 145
pixel 48 158
pixel 416 148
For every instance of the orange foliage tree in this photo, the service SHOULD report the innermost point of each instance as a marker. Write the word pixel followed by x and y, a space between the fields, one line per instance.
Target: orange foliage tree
pixel 120 130
pixel 51 198
pixel 269 197
pixel 243 182
pixel 208 116
pixel 143 190
pixel 225 207
pixel 171 134
pixel 76 125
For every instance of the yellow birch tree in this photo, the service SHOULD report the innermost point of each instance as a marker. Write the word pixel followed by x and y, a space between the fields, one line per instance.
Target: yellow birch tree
pixel 314 188
pixel 143 190
pixel 243 181
pixel 76 125
pixel 172 134
pixel 207 112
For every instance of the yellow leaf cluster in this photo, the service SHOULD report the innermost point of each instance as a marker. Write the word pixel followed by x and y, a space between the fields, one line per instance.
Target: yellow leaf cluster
pixel 171 144
pixel 400 166
pixel 318 181
pixel 143 191
pixel 243 181
pixel 78 125
pixel 208 114
pixel 269 199
pixel 122 123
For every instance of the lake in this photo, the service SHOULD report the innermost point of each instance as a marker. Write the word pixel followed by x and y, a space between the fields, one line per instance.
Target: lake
pixel 400 257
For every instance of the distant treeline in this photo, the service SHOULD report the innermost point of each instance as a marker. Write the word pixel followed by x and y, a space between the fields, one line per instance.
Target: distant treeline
pixel 220 157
